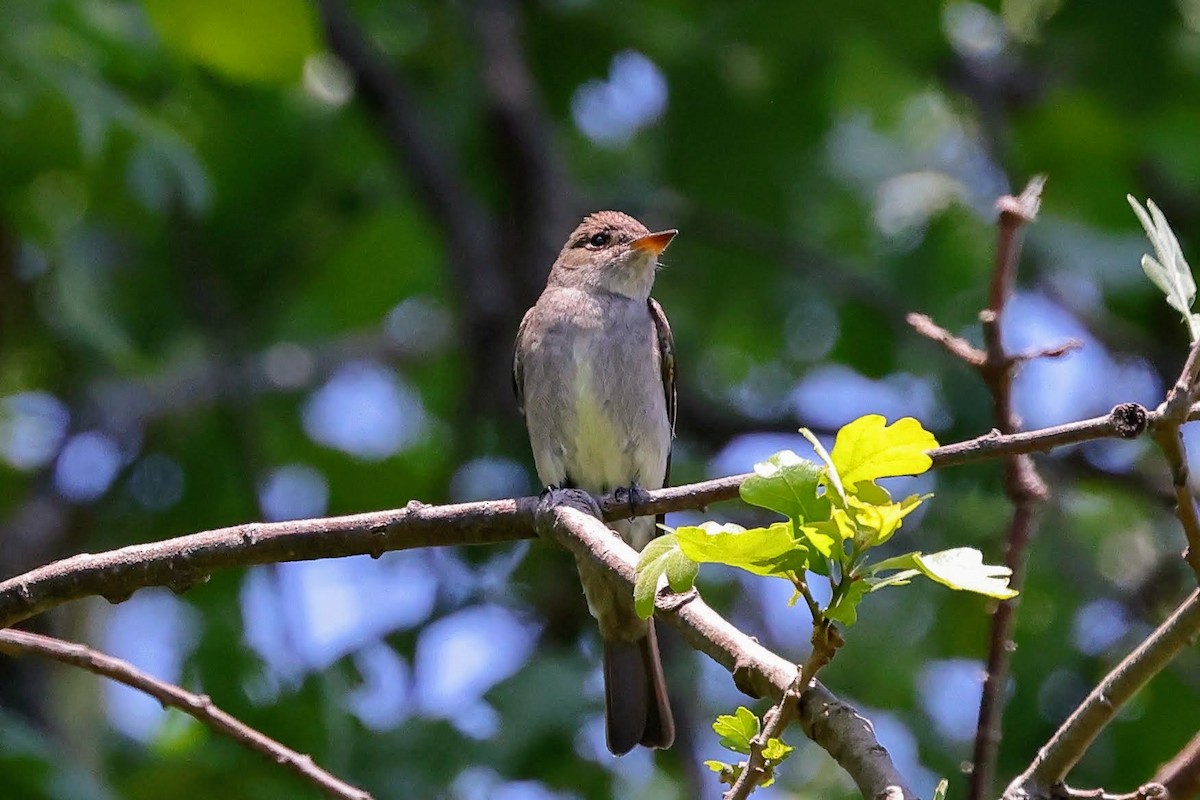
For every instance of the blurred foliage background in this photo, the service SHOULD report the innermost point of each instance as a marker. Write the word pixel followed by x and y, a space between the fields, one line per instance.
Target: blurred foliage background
pixel 265 259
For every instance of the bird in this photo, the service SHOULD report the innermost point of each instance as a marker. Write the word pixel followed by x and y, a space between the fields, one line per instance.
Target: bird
pixel 594 374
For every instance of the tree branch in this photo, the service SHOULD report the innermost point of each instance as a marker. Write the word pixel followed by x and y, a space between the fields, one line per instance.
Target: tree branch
pixel 1165 431
pixel 1071 741
pixel 829 722
pixel 182 562
pixel 1181 775
pixel 22 643
pixel 1022 484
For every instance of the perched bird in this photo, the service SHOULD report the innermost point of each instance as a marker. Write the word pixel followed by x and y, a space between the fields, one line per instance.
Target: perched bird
pixel 594 371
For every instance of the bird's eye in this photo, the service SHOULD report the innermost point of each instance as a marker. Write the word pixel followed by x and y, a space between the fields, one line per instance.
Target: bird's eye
pixel 600 239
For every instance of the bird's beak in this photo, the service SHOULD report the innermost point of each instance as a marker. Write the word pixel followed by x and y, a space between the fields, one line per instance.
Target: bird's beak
pixel 653 243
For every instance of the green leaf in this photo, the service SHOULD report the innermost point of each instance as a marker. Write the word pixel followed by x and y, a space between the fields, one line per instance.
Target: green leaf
pixel 737 729
pixel 962 568
pixel 1170 271
pixel 718 766
pixel 777 750
pixel 868 448
pixel 661 557
pixel 939 793
pixel 763 551
pixel 877 523
pixel 845 608
pixel 786 483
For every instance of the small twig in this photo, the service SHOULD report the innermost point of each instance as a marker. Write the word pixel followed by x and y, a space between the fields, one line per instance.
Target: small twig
pixel 775 721
pixel 1149 791
pixel 1056 758
pixel 1169 419
pixel 956 346
pixel 1181 775
pixel 1022 484
pixel 21 643
pixel 825 640
pixel 1053 351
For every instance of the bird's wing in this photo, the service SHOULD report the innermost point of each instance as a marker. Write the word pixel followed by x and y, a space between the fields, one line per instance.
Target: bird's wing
pixel 666 359
pixel 518 368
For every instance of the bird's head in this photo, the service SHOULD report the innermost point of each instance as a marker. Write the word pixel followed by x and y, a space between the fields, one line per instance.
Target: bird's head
pixel 613 252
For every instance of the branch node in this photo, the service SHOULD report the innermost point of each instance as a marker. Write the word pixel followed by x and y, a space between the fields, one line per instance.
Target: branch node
pixel 1129 420
pixel 669 600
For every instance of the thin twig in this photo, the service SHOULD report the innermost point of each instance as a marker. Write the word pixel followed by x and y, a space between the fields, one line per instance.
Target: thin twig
pixel 1181 775
pixel 825 642
pixel 1169 419
pixel 1056 758
pixel 1149 791
pixel 1022 484
pixel 21 643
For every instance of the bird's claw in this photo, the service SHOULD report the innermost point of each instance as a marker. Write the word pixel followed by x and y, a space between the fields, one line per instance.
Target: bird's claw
pixel 577 499
pixel 633 495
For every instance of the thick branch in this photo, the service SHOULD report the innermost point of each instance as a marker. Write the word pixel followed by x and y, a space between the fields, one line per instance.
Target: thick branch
pixel 21 643
pixel 831 723
pixel 184 561
pixel 1072 740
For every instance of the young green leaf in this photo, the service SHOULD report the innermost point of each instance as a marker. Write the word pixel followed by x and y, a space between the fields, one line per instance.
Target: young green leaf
pixel 777 750
pixel 868 448
pixel 661 557
pixel 962 568
pixel 1170 271
pixel 737 729
pixel 763 551
pixel 786 483
pixel 727 772
pixel 845 608
pixel 877 523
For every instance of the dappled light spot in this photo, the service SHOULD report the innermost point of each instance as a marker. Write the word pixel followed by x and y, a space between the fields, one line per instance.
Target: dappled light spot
pixel 86 467
pixel 484 783
pixel 973 30
pixel 463 655
pixel 489 478
pixel 32 427
pixel 383 699
pixel 327 80
pixel 1087 382
pixel 832 395
pixel 307 615
pixel 610 112
pixel 950 690
pixel 288 365
pixel 419 323
pixel 155 631
pixel 366 410
pixel 295 491
pixel 1098 626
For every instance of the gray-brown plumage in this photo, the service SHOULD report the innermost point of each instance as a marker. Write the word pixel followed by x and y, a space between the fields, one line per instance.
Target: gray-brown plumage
pixel 594 371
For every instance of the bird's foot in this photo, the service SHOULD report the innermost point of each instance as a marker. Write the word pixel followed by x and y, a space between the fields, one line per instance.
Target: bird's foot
pixel 634 495
pixel 577 499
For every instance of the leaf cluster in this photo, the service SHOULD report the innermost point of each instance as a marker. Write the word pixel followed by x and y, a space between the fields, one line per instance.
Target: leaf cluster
pixel 835 512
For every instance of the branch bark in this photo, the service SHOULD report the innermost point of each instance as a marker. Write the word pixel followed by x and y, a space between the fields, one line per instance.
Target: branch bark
pixel 1049 769
pixel 23 643
pixel 831 723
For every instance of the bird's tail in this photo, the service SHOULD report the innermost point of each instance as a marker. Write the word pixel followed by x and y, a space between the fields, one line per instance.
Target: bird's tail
pixel 635 695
